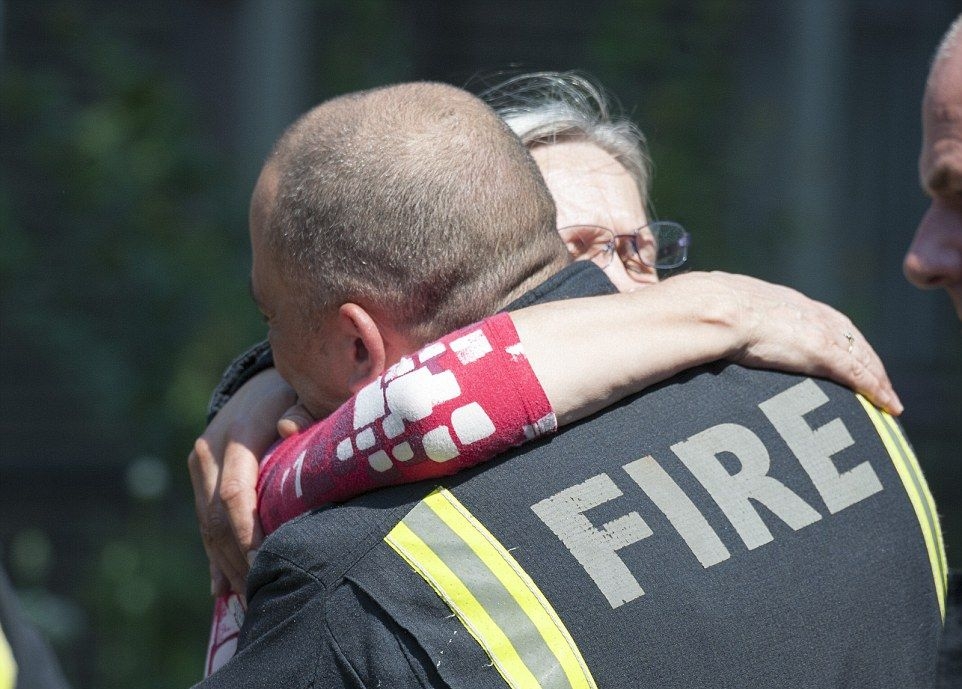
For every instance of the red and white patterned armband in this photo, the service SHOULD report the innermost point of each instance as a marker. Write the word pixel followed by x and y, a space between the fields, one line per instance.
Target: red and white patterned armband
pixel 455 403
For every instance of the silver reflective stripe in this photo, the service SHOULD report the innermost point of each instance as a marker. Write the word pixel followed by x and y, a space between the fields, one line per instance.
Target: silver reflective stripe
pixel 493 597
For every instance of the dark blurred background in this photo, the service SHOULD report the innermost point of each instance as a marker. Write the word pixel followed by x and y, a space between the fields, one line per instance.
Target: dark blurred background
pixel 784 134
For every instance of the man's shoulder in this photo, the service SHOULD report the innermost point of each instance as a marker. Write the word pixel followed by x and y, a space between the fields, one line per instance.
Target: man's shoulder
pixel 713 508
pixel 328 542
pixel 734 416
pixel 724 392
pixel 720 505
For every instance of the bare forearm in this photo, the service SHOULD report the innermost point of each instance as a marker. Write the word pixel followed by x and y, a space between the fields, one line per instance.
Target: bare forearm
pixel 588 353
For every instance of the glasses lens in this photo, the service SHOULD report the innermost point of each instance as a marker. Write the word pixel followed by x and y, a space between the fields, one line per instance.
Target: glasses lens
pixel 670 248
pixel 640 253
pixel 588 243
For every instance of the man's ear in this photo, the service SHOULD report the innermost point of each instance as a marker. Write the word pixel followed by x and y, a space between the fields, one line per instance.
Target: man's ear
pixel 367 357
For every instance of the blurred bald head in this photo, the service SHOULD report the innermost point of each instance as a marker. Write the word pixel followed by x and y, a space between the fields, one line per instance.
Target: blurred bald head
pixel 942 115
pixel 934 260
pixel 414 201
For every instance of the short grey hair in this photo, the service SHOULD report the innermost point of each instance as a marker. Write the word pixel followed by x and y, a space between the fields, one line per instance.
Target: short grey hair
pixel 415 198
pixel 546 107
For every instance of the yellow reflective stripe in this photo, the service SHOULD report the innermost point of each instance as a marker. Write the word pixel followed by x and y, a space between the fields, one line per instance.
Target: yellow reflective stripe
pixel 8 665
pixel 472 614
pixel 517 582
pixel 923 486
pixel 484 585
pixel 918 492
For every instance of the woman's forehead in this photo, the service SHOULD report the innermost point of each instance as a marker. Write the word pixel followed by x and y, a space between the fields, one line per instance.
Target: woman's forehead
pixel 589 186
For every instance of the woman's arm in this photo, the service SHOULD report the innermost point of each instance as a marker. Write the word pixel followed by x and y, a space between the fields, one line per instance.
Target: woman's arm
pixel 454 403
pixel 586 353
pixel 489 387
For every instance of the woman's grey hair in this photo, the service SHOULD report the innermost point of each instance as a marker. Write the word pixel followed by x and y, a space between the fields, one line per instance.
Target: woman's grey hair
pixel 545 107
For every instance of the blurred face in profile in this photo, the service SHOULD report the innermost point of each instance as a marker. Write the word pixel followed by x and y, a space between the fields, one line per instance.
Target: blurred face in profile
pixel 302 354
pixel 934 260
pixel 591 188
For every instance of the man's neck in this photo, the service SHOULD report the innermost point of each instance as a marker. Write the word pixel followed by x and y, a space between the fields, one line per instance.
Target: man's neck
pixel 539 276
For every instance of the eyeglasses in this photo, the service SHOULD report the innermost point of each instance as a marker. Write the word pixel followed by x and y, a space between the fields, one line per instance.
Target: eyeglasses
pixel 661 244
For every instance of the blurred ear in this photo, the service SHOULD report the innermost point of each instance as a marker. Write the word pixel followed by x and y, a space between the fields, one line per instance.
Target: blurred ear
pixel 365 349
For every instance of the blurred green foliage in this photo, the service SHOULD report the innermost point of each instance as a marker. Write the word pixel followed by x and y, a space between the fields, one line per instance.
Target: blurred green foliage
pixel 119 239
pixel 123 262
pixel 665 54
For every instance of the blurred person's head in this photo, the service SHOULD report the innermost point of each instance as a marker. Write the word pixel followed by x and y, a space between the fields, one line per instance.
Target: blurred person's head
pixel 384 219
pixel 595 162
pixel 934 260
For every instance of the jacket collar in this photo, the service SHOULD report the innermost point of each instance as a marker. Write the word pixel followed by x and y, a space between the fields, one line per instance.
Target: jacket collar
pixel 578 279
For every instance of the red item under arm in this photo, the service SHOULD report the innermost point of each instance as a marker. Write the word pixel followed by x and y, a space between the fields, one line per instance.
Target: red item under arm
pixel 455 403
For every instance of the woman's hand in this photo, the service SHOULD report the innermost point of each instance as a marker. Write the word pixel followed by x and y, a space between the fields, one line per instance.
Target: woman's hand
pixel 781 328
pixel 223 471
